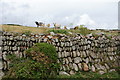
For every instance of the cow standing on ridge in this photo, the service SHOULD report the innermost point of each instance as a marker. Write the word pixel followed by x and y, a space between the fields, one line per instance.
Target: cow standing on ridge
pixel 56 26
pixel 41 24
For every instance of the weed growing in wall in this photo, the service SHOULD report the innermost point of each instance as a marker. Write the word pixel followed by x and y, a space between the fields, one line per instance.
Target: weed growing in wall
pixel 59 31
pixel 27 33
pixel 41 62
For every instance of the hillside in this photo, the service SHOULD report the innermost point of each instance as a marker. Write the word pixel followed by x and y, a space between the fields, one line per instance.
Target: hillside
pixel 22 29
pixel 35 30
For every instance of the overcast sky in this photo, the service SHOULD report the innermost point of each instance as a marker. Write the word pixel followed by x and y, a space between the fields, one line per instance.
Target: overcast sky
pixel 92 13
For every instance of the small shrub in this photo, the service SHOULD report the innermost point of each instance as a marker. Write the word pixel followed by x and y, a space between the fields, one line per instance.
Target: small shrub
pixel 95 35
pixel 29 69
pixel 48 49
pixel 84 31
pixel 27 33
pixel 109 37
pixel 41 62
pixel 59 31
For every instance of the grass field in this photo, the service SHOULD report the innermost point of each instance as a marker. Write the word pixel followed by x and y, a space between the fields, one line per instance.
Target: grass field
pixel 35 30
pixel 22 29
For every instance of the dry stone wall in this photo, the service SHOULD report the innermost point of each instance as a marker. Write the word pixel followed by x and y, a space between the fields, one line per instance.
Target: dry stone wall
pixel 78 53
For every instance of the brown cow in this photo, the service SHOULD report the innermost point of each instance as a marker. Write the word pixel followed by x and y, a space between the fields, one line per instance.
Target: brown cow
pixel 65 27
pixel 56 26
pixel 48 25
pixel 76 27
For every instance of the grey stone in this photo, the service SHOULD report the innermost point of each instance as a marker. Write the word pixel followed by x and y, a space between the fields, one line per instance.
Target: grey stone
pixel 73 47
pixel 74 54
pixel 63 55
pixel 52 33
pixel 66 60
pixel 4 56
pixel 56 40
pixel 107 66
pixel 68 68
pixel 111 70
pixel 14 48
pixel 78 53
pixel 68 54
pixel 64 73
pixel 111 58
pixel 93 68
pixel 88 46
pixel 23 35
pixel 87 52
pixel 87 60
pixel 93 55
pixel 59 55
pixel 60 49
pixel 72 72
pixel 100 33
pixel 77 60
pixel 57 49
pixel 90 59
pixel 70 65
pixel 64 68
pixel 58 61
pixel 89 42
pixel 71 43
pixel 5 48
pixel 92 44
pixel 63 61
pixel 75 67
pixel 45 39
pixel 102 67
pixel 62 44
pixel 11 38
pixel 84 54
pixel 69 59
pixel 80 66
pixel 101 72
pixel 89 35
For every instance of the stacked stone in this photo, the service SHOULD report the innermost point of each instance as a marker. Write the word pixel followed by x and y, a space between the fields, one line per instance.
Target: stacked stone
pixel 1 72
pixel 78 53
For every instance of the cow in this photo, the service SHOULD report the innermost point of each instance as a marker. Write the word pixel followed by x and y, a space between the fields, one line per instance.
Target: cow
pixel 56 26
pixel 65 27
pixel 41 24
pixel 48 25
pixel 76 27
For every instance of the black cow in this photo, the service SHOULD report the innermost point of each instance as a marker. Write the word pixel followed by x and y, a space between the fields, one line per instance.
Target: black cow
pixel 39 24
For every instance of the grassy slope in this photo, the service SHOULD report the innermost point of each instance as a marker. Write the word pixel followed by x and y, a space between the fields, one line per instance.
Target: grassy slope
pixel 22 29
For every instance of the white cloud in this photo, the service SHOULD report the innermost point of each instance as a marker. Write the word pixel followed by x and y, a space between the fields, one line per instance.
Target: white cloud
pixel 98 12
pixel 86 20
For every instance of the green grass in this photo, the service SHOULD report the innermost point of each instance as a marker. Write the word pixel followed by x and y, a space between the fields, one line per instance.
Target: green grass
pixel 40 62
pixel 59 31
